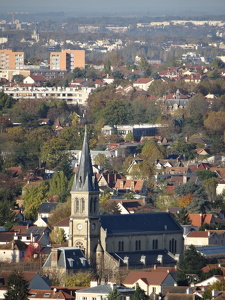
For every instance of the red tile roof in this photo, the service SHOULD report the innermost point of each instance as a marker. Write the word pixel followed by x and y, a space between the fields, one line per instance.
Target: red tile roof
pixel 150 277
pixel 199 219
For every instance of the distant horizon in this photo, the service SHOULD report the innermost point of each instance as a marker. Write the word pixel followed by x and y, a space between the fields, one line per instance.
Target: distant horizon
pixel 118 8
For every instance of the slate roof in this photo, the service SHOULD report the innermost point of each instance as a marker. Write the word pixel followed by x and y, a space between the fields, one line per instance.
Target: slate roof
pixel 85 180
pixel 160 222
pixel 104 289
pixel 212 250
pixel 67 255
pixel 151 257
pixel 47 207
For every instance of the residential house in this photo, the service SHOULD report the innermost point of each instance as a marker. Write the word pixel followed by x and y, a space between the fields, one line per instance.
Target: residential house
pixel 46 209
pixel 32 234
pixel 143 83
pixel 151 282
pixel 64 224
pixel 175 101
pixel 35 79
pixel 49 294
pixel 102 292
pixel 106 179
pixel 210 281
pixel 34 279
pixel 200 219
pixel 205 238
pixel 135 186
pixel 13 251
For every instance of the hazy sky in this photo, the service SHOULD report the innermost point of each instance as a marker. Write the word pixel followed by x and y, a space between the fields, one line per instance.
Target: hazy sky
pixel 151 7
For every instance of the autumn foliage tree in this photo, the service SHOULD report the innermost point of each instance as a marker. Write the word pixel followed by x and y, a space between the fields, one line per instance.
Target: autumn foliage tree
pixel 33 252
pixel 185 200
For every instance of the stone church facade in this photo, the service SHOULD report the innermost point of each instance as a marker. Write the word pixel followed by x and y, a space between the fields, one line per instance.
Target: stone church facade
pixel 132 240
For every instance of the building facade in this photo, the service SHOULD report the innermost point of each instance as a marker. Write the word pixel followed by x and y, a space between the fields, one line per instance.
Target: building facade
pixel 67 60
pixel 11 60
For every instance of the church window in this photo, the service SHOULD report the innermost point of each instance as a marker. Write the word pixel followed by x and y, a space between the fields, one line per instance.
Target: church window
pixel 79 245
pixel 82 205
pixel 138 245
pixel 121 246
pixel 173 246
pixel 155 244
pixel 91 204
pixel 76 205
pixel 95 201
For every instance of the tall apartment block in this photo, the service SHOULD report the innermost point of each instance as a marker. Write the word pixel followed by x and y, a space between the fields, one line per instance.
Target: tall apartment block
pixel 67 60
pixel 11 60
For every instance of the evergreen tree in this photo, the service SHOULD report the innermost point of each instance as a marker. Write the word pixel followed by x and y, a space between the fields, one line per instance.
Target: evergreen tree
pixel 140 294
pixel 114 295
pixel 17 287
pixel 58 184
pixel 189 267
pixel 183 217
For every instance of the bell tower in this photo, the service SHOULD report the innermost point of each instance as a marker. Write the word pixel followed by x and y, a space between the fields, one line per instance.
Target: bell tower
pixel 84 219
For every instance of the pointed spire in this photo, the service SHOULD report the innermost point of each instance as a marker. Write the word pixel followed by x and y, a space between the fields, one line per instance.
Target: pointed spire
pixel 85 179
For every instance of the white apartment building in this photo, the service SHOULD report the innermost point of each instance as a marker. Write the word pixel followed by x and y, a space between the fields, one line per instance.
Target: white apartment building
pixel 72 95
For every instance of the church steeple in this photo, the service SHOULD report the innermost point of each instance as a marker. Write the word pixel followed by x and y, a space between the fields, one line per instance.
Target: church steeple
pixel 85 180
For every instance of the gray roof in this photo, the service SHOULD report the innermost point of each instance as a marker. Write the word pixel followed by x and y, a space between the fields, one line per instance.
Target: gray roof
pixel 160 222
pixel 105 289
pixel 69 258
pixel 151 258
pixel 212 250
pixel 47 207
pixel 85 179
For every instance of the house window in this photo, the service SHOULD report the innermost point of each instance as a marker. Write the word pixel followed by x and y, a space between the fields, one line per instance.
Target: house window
pixel 121 246
pixel 138 245
pixel 153 289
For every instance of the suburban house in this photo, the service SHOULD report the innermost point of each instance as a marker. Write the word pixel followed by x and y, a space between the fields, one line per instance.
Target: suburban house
pixel 151 282
pixel 102 292
pixel 34 79
pixel 63 224
pixel 34 279
pixel 205 238
pixel 143 83
pixel 49 294
pixel 126 186
pixel 200 219
pixel 14 251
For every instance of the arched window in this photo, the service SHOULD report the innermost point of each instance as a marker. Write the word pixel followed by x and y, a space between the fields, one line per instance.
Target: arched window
pixel 76 205
pixel 79 245
pixel 173 246
pixel 82 205
pixel 91 205
pixel 95 202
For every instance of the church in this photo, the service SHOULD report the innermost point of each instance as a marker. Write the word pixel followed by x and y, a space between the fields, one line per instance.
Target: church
pixel 110 241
